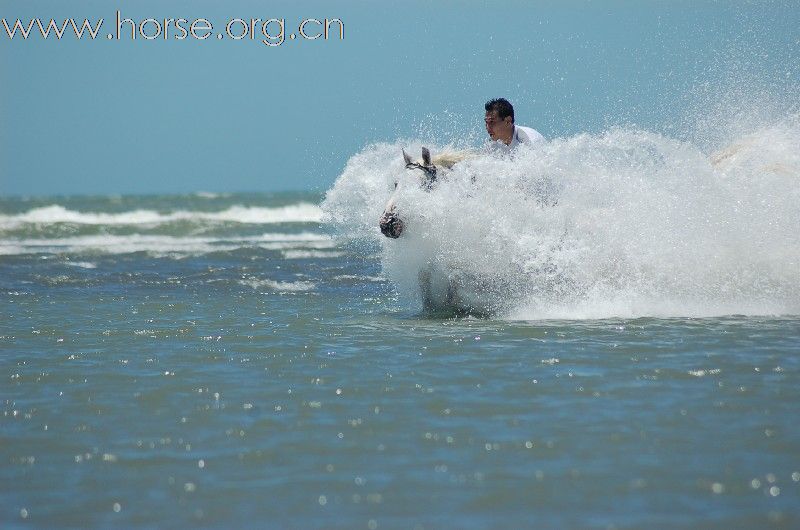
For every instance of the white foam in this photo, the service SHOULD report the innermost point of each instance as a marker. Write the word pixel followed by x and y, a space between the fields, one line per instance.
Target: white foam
pixel 273 285
pixel 123 244
pixel 294 213
pixel 210 195
pixel 625 223
pixel 82 264
pixel 359 278
pixel 306 254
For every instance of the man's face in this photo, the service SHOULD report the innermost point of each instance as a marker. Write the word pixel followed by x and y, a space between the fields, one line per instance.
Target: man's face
pixel 498 129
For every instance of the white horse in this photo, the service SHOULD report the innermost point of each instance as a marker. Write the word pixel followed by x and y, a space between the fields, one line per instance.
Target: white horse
pixel 443 288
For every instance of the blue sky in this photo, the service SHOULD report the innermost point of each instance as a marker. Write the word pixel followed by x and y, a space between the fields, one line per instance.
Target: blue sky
pixel 109 117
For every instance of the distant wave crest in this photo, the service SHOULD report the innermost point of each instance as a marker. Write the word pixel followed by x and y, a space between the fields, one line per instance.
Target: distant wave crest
pixel 302 212
pixel 161 244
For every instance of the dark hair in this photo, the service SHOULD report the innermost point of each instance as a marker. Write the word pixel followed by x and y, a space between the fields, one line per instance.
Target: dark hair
pixel 502 106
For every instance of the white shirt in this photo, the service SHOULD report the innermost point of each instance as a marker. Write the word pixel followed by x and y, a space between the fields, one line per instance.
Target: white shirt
pixel 520 136
pixel 525 135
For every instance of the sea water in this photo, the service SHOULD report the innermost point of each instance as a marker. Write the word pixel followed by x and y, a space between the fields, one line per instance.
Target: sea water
pixel 231 360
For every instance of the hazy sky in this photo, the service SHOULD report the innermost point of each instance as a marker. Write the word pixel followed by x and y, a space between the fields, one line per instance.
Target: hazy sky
pixel 161 116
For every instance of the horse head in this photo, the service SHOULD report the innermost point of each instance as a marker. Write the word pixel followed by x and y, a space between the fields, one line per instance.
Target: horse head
pixel 390 223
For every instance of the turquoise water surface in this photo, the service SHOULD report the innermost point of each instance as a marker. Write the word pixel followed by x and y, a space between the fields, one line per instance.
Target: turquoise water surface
pixel 221 361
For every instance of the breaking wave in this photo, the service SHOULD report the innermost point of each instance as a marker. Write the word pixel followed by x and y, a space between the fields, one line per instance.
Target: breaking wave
pixel 161 244
pixel 294 213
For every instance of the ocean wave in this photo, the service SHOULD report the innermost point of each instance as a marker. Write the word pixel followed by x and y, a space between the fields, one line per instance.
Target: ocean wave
pixel 306 254
pixel 81 264
pixel 210 195
pixel 273 285
pixel 357 278
pixel 302 212
pixel 124 244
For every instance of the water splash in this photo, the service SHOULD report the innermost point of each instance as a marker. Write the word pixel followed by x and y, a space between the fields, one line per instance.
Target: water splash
pixel 624 223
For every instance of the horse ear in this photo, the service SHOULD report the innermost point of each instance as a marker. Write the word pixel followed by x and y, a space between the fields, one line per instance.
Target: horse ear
pixel 426 156
pixel 407 158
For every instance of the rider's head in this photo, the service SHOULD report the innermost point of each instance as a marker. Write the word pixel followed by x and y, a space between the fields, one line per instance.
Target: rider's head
pixel 499 119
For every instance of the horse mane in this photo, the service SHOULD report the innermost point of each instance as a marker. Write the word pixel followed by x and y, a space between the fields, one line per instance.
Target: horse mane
pixel 448 159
